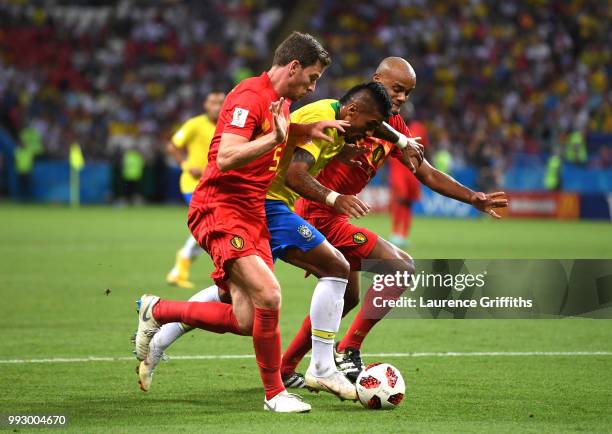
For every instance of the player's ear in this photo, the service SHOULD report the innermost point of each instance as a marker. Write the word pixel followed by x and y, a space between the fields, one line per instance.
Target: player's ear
pixel 294 66
pixel 352 108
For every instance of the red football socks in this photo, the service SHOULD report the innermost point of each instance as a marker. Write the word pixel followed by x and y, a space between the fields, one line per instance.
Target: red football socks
pixel 212 316
pixel 219 318
pixel 298 348
pixel 401 219
pixel 360 327
pixel 267 343
pixel 407 220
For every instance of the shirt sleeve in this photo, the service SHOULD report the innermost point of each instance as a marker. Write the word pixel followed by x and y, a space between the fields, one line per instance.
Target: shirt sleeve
pixel 308 115
pixel 314 147
pixel 183 135
pixel 398 123
pixel 244 114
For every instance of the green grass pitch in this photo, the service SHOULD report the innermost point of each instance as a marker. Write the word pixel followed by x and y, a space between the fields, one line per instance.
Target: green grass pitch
pixel 57 264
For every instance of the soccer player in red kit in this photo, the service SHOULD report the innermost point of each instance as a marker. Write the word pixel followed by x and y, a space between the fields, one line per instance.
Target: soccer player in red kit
pixel 405 188
pixel 227 216
pixel 357 243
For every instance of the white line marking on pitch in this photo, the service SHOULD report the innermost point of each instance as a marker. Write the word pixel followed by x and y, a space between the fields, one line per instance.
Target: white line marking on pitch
pixel 250 356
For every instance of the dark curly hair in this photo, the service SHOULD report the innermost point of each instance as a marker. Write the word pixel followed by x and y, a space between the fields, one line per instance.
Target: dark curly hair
pixel 375 91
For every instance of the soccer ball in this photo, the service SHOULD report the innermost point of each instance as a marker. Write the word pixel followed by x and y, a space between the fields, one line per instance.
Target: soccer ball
pixel 380 385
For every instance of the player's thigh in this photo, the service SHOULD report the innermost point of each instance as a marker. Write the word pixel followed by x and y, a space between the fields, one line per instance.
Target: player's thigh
pixel 354 242
pixel 254 277
pixel 322 261
pixel 296 241
pixel 391 257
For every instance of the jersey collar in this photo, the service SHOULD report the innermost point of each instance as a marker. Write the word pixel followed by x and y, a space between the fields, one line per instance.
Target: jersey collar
pixel 336 106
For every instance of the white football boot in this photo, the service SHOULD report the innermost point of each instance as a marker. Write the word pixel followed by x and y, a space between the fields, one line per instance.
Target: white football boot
pixel 145 375
pixel 146 367
pixel 336 383
pixel 286 402
pixel 147 326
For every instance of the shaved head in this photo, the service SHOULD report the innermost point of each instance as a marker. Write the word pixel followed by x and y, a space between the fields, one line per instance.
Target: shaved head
pixel 395 65
pixel 398 78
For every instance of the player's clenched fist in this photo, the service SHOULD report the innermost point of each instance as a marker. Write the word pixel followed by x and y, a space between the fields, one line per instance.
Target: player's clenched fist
pixel 351 205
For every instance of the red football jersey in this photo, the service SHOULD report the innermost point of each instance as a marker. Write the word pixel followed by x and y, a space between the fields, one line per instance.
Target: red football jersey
pixel 402 181
pixel 245 112
pixel 352 179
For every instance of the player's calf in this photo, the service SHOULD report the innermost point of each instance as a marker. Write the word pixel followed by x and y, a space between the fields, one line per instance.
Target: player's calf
pixel 351 295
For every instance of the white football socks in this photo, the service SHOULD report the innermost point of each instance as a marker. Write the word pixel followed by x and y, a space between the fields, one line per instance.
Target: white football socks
pixel 325 315
pixel 191 249
pixel 207 294
pixel 169 333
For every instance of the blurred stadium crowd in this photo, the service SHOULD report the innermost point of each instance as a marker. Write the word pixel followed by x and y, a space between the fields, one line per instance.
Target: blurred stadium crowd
pixel 494 78
pixel 123 75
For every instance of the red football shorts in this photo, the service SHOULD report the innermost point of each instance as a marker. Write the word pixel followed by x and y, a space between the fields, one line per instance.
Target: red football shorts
pixel 228 234
pixel 354 242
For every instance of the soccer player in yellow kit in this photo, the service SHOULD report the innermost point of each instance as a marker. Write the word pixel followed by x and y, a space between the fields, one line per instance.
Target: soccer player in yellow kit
pixel 189 147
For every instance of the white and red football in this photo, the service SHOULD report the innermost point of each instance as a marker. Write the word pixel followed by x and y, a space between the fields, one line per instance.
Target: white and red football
pixel 380 385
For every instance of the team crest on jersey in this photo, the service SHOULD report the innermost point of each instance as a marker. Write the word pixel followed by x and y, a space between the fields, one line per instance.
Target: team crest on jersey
pixel 237 242
pixel 359 238
pixel 378 154
pixel 305 231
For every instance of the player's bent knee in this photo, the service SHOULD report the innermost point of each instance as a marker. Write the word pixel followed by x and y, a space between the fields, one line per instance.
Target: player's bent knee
pixel 336 266
pixel 268 299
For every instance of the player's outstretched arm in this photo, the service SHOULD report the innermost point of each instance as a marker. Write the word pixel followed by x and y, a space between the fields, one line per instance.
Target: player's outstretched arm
pixel 236 151
pixel 410 146
pixel 306 185
pixel 449 187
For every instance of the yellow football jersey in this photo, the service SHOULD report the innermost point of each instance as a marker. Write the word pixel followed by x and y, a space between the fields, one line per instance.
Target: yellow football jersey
pixel 195 136
pixel 325 109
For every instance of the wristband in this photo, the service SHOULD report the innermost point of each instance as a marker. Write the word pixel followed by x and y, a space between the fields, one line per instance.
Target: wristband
pixel 331 198
pixel 402 140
